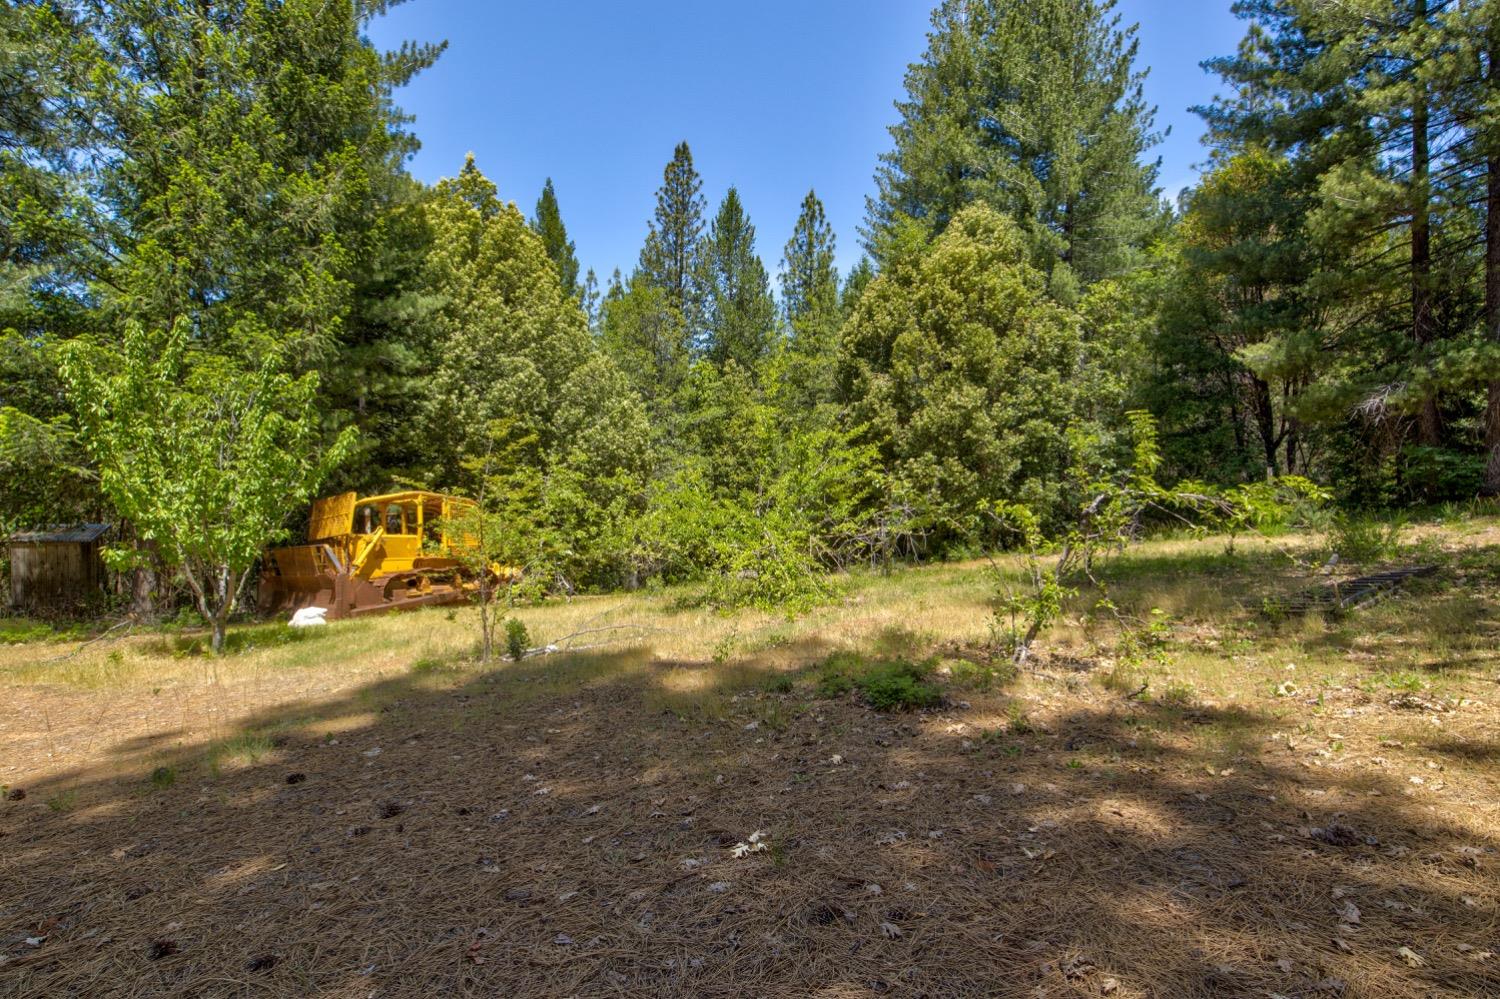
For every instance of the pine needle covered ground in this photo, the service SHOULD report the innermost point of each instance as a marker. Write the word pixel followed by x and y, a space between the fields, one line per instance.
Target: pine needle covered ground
pixel 1233 803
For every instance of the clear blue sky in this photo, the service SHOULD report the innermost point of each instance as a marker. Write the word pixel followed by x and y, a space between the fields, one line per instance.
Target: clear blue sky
pixel 773 96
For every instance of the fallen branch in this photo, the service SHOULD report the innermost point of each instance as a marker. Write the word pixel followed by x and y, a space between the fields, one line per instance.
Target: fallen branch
pixel 552 648
pixel 97 638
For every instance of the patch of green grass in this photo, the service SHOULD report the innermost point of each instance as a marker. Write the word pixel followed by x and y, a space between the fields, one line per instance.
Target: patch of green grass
pixel 887 684
pixel 1179 694
pixel 247 747
pixel 63 801
pixel 163 778
pixel 242 639
pixel 20 630
pixel 1018 721
pixel 780 683
pixel 981 676
pixel 435 664
pixel 1405 680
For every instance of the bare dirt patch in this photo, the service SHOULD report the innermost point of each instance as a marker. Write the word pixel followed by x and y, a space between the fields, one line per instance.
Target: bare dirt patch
pixel 635 822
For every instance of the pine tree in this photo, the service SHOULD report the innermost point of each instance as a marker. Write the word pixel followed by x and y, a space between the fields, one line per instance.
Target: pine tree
pixel 804 377
pixel 548 224
pixel 1239 336
pixel 1368 98
pixel 1035 108
pixel 738 310
pixel 589 296
pixel 253 218
pixel 670 254
pixel 809 279
pixel 858 279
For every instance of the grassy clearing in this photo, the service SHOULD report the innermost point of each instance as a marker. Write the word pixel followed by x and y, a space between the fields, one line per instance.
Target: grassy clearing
pixel 1180 806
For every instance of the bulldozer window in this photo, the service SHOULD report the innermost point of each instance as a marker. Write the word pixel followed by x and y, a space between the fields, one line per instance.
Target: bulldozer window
pixel 395 519
pixel 367 520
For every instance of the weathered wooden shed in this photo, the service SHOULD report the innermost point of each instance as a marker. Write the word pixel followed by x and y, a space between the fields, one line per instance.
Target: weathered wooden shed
pixel 57 570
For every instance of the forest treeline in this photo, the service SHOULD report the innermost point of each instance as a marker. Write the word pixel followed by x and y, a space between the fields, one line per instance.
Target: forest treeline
pixel 222 293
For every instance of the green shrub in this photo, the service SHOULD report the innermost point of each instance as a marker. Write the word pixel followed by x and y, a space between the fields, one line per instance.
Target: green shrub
pixel 781 683
pixel 163 778
pixel 836 674
pixel 899 685
pixel 1020 722
pixel 1179 694
pixel 1362 540
pixel 517 638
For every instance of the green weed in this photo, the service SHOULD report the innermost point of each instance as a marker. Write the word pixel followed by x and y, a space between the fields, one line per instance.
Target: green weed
pixel 899 685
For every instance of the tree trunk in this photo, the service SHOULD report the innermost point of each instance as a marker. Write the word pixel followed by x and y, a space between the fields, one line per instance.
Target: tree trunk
pixel 486 627
pixel 1265 422
pixel 143 593
pixel 1429 421
pixel 1492 280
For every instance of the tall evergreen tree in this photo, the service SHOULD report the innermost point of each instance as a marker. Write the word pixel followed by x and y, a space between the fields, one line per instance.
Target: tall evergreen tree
pixel 1035 108
pixel 252 220
pixel 548 224
pixel 589 296
pixel 804 378
pixel 1367 98
pixel 670 254
pixel 855 283
pixel 738 310
pixel 1239 336
pixel 809 279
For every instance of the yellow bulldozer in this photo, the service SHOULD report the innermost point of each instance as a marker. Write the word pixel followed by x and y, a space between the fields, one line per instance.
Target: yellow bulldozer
pixel 369 555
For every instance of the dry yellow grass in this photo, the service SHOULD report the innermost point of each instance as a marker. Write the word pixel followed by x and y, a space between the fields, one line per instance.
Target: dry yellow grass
pixel 365 808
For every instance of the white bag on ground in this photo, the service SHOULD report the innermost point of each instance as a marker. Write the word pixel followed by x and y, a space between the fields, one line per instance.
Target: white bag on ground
pixel 309 617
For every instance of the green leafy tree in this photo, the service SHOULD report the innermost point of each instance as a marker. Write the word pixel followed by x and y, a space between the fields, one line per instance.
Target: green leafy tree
pixel 647 338
pixel 1241 335
pixel 1033 107
pixel 514 350
pixel 964 373
pixel 548 224
pixel 759 510
pixel 739 313
pixel 205 457
pixel 502 540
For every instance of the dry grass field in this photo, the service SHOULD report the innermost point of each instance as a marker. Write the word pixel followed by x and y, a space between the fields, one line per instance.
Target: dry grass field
pixel 1238 802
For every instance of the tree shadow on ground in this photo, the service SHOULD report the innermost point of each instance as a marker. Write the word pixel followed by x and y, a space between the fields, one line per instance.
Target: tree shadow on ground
pixel 574 826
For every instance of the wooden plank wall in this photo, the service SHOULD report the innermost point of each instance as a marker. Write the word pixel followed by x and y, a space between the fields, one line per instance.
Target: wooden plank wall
pixel 53 575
